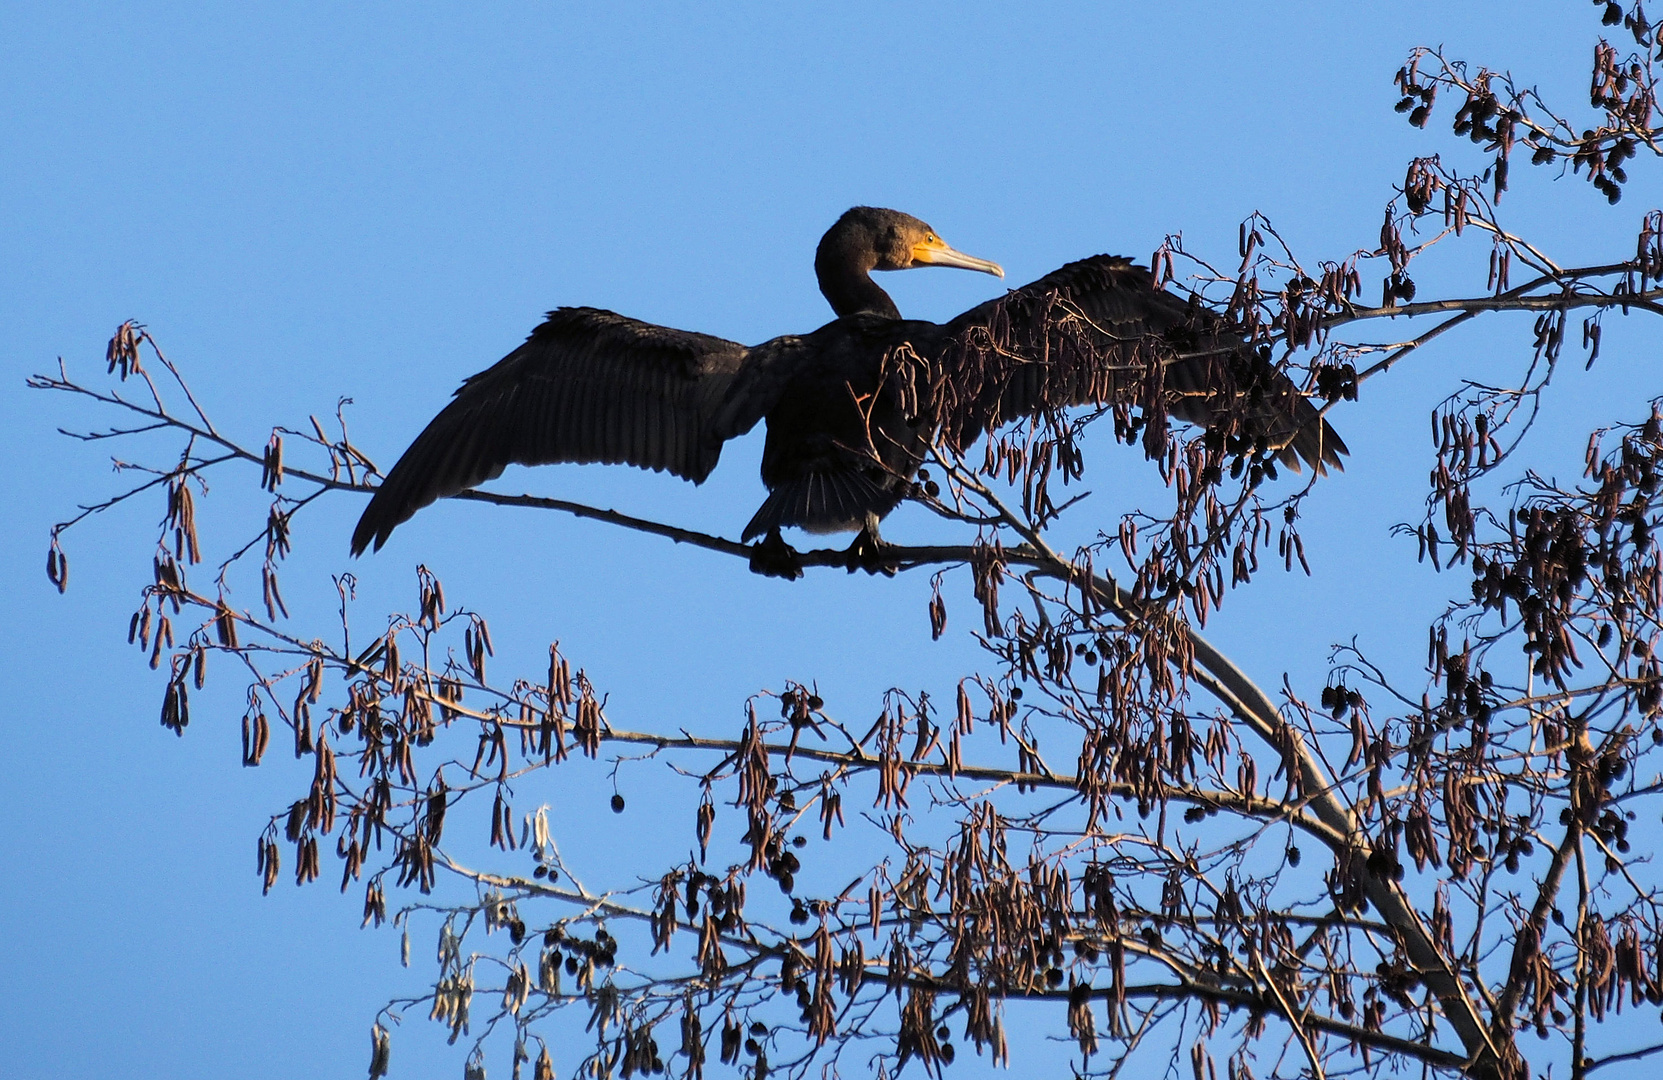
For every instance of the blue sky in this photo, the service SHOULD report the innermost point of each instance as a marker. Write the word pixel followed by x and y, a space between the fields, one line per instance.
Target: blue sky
pixel 307 202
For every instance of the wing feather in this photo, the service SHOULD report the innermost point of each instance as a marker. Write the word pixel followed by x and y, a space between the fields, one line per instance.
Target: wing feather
pixel 587 386
pixel 1102 331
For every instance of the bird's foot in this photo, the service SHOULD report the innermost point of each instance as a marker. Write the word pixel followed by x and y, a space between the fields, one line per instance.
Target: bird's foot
pixel 869 553
pixel 773 557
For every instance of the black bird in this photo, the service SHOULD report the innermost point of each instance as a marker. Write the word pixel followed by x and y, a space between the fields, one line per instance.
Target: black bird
pixel 852 406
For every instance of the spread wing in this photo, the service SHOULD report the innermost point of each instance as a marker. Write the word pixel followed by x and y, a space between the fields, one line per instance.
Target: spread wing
pixel 587 386
pixel 1101 331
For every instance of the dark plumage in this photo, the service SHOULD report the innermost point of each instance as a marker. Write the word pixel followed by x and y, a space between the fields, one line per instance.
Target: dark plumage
pixel 850 407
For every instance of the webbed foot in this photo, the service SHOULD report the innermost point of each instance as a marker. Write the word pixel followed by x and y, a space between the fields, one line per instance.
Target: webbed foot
pixel 773 557
pixel 869 553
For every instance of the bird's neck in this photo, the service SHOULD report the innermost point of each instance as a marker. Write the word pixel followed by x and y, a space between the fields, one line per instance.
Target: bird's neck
pixel 846 281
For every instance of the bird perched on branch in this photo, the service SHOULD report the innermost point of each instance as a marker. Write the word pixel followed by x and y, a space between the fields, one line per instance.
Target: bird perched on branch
pixel 853 406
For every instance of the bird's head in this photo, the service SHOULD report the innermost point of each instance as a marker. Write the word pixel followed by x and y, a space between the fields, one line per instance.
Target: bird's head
pixel 897 241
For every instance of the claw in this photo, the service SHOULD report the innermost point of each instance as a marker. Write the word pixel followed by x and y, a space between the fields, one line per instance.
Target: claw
pixel 869 553
pixel 773 557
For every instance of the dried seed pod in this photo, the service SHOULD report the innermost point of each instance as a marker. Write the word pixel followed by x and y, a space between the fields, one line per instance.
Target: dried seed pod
pixel 57 566
pixel 381 1051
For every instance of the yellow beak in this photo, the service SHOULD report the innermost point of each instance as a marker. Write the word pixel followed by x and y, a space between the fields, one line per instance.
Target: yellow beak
pixel 934 252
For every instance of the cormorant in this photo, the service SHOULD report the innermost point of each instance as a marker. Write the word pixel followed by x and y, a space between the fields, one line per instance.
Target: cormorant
pixel 851 407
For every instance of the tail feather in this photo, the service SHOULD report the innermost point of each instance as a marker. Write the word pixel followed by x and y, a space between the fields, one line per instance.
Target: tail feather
pixel 841 500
